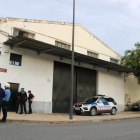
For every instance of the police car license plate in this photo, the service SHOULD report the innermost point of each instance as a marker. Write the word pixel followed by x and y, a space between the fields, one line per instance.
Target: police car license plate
pixel 77 108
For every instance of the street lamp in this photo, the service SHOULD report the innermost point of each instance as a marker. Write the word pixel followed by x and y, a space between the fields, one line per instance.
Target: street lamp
pixel 72 65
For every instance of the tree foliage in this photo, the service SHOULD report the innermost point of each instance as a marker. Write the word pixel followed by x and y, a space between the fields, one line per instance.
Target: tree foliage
pixel 132 59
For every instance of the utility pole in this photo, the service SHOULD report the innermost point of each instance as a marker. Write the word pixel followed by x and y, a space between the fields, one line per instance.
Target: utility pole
pixel 72 65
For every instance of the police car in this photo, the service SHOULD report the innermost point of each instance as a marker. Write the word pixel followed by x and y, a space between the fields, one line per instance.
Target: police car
pixel 97 104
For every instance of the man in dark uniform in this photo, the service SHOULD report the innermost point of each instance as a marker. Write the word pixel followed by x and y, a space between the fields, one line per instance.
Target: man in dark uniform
pixel 30 98
pixel 18 101
pixel 23 99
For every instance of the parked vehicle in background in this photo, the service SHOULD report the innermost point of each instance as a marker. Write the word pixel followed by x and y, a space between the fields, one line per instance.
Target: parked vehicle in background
pixel 136 106
pixel 97 104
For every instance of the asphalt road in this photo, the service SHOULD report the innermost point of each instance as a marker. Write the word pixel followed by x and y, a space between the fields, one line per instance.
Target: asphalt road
pixel 118 130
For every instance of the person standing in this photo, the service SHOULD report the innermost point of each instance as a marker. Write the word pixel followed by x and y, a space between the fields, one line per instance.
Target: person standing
pixel 2 94
pixel 18 101
pixel 23 99
pixel 30 99
pixel 5 101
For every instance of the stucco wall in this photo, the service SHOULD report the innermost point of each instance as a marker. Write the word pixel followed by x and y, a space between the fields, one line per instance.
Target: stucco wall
pixel 132 89
pixel 111 84
pixel 36 72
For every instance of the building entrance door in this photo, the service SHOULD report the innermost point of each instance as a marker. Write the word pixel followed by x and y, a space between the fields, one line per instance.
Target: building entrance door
pixel 84 86
pixel 86 83
pixel 13 100
pixel 62 87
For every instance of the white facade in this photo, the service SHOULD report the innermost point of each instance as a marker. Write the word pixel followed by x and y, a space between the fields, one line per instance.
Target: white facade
pixel 132 89
pixel 36 71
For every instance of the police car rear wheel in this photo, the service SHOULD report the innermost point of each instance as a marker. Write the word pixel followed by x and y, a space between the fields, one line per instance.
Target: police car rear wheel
pixel 113 111
pixel 93 112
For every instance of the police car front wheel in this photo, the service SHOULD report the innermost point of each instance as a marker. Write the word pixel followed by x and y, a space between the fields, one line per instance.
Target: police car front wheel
pixel 93 111
pixel 113 111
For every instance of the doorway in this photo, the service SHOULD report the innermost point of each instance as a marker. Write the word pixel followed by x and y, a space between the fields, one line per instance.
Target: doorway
pixel 84 86
pixel 62 87
pixel 86 83
pixel 13 99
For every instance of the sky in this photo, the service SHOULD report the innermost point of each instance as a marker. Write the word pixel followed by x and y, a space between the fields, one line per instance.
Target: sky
pixel 115 22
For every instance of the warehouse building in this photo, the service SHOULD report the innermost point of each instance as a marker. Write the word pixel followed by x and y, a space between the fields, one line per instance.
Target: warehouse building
pixel 36 55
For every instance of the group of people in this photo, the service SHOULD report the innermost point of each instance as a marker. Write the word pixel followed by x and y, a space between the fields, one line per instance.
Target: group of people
pixel 22 100
pixel 4 99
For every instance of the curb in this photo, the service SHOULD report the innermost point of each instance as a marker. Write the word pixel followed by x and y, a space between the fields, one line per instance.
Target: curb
pixel 70 122
pixel 48 122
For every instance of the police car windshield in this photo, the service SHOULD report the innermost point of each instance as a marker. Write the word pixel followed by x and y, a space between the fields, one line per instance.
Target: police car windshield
pixel 90 100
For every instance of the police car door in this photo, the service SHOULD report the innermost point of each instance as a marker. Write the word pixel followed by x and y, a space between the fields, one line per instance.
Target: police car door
pixel 107 106
pixel 100 104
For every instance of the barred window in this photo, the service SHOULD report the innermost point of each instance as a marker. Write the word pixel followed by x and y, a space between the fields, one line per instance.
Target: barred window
pixel 113 61
pixel 92 54
pixel 62 45
pixel 15 59
pixel 17 32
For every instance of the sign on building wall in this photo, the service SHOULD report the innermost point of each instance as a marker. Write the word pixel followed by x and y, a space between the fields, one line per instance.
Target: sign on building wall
pixel 3 70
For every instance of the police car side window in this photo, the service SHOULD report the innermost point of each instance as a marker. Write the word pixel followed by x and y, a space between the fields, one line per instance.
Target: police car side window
pixel 107 99
pixel 111 100
pixel 102 100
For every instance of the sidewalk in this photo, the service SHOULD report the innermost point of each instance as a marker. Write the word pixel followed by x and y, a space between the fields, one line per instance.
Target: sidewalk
pixel 64 117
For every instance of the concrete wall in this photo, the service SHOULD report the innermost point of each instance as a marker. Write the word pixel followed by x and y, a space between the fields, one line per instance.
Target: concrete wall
pixel 36 72
pixel 111 84
pixel 132 89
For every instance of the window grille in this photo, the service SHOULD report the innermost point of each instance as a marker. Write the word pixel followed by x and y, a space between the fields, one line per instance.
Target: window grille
pixel 113 61
pixel 92 54
pixel 15 59
pixel 62 45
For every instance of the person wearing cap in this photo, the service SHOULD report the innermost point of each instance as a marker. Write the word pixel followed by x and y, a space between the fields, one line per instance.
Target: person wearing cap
pixel 5 101
pixel 2 94
pixel 30 99
pixel 23 99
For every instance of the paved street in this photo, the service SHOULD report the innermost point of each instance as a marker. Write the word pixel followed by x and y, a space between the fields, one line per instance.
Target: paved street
pixel 118 130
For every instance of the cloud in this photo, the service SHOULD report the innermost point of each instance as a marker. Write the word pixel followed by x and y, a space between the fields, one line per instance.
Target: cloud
pixel 116 22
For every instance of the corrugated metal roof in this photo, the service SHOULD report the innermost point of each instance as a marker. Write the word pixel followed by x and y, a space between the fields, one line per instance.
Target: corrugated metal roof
pixel 41 47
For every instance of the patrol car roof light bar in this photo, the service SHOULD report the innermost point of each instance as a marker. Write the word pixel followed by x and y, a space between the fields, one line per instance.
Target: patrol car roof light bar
pixel 72 65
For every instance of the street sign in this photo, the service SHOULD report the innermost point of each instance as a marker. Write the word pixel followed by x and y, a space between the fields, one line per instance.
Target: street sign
pixel 3 70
